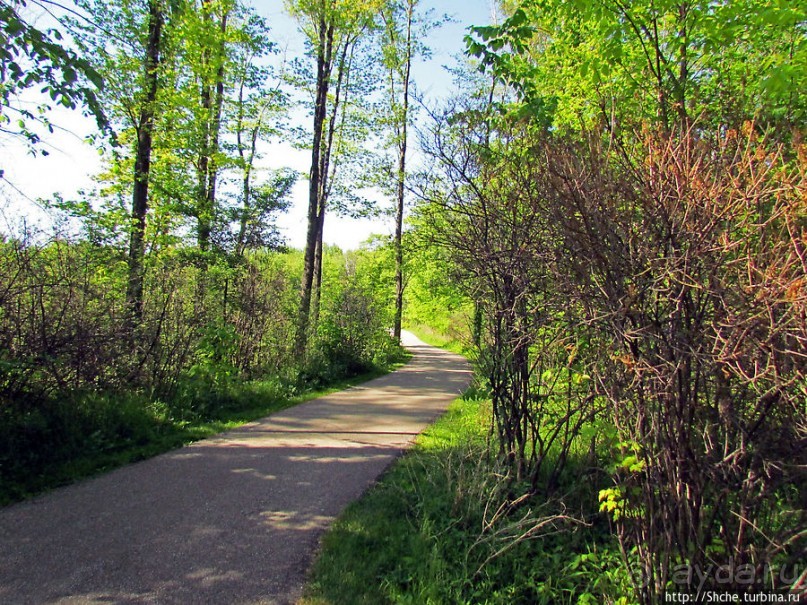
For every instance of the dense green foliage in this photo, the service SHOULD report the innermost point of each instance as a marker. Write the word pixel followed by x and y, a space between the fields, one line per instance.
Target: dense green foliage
pixel 625 207
pixel 31 57
pixel 166 303
pixel 207 97
pixel 628 218
pixel 578 64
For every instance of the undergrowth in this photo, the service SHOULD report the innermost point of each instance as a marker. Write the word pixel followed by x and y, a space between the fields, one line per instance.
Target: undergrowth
pixel 445 525
pixel 54 442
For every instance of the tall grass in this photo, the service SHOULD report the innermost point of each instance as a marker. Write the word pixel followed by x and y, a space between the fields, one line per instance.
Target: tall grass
pixel 63 440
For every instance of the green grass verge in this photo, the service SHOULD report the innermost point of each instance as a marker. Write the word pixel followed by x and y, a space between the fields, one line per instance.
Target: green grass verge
pixel 61 441
pixel 375 547
pixel 429 533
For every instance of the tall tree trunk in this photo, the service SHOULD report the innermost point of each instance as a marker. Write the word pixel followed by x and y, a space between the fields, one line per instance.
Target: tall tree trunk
pixel 215 127
pixel 328 172
pixel 316 295
pixel 203 213
pixel 212 101
pixel 399 211
pixel 246 188
pixel 142 168
pixel 247 155
pixel 324 64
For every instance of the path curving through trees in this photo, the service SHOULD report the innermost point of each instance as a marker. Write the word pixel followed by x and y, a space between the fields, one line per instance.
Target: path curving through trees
pixel 235 519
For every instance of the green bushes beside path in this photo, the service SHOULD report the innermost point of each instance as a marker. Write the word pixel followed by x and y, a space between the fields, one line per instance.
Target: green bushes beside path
pixel 85 386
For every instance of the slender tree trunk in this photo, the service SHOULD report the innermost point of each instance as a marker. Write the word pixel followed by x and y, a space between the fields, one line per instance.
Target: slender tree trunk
pixel 247 155
pixel 246 174
pixel 246 169
pixel 683 65
pixel 212 101
pixel 317 291
pixel 402 142
pixel 324 63
pixel 203 218
pixel 328 173
pixel 246 190
pixel 203 213
pixel 215 127
pixel 142 169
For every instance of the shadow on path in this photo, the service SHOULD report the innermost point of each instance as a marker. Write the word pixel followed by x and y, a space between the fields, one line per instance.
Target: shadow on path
pixel 234 519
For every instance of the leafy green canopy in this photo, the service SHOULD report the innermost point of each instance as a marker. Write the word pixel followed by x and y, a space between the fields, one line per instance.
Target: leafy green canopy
pixel 30 58
pixel 217 100
pixel 578 64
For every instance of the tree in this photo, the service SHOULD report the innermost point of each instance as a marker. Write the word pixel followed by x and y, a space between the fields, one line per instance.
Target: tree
pixel 671 244
pixel 212 80
pixel 332 27
pixel 177 80
pixel 398 52
pixel 208 52
pixel 136 54
pixel 142 166
pixel 30 57
pixel 234 101
pixel 615 63
pixel 255 115
pixel 487 208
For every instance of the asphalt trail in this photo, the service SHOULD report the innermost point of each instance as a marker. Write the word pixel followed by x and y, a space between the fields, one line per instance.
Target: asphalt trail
pixel 231 520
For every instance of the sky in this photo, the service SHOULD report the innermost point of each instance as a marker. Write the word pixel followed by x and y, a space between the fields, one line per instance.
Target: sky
pixel 72 162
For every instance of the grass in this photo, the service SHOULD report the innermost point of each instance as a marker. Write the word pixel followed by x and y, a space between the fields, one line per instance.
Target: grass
pixel 61 441
pixel 432 531
pixel 371 550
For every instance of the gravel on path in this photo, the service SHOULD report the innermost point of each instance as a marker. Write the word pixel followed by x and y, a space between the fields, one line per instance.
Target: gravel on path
pixel 235 519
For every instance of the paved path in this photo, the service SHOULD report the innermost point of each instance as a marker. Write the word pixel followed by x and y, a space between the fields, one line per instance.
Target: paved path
pixel 232 520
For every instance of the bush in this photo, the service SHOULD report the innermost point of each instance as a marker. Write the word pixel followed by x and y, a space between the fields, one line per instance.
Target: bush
pixel 658 287
pixel 79 379
pixel 351 338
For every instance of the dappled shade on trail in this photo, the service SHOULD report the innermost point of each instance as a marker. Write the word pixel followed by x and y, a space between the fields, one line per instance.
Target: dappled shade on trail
pixel 233 519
